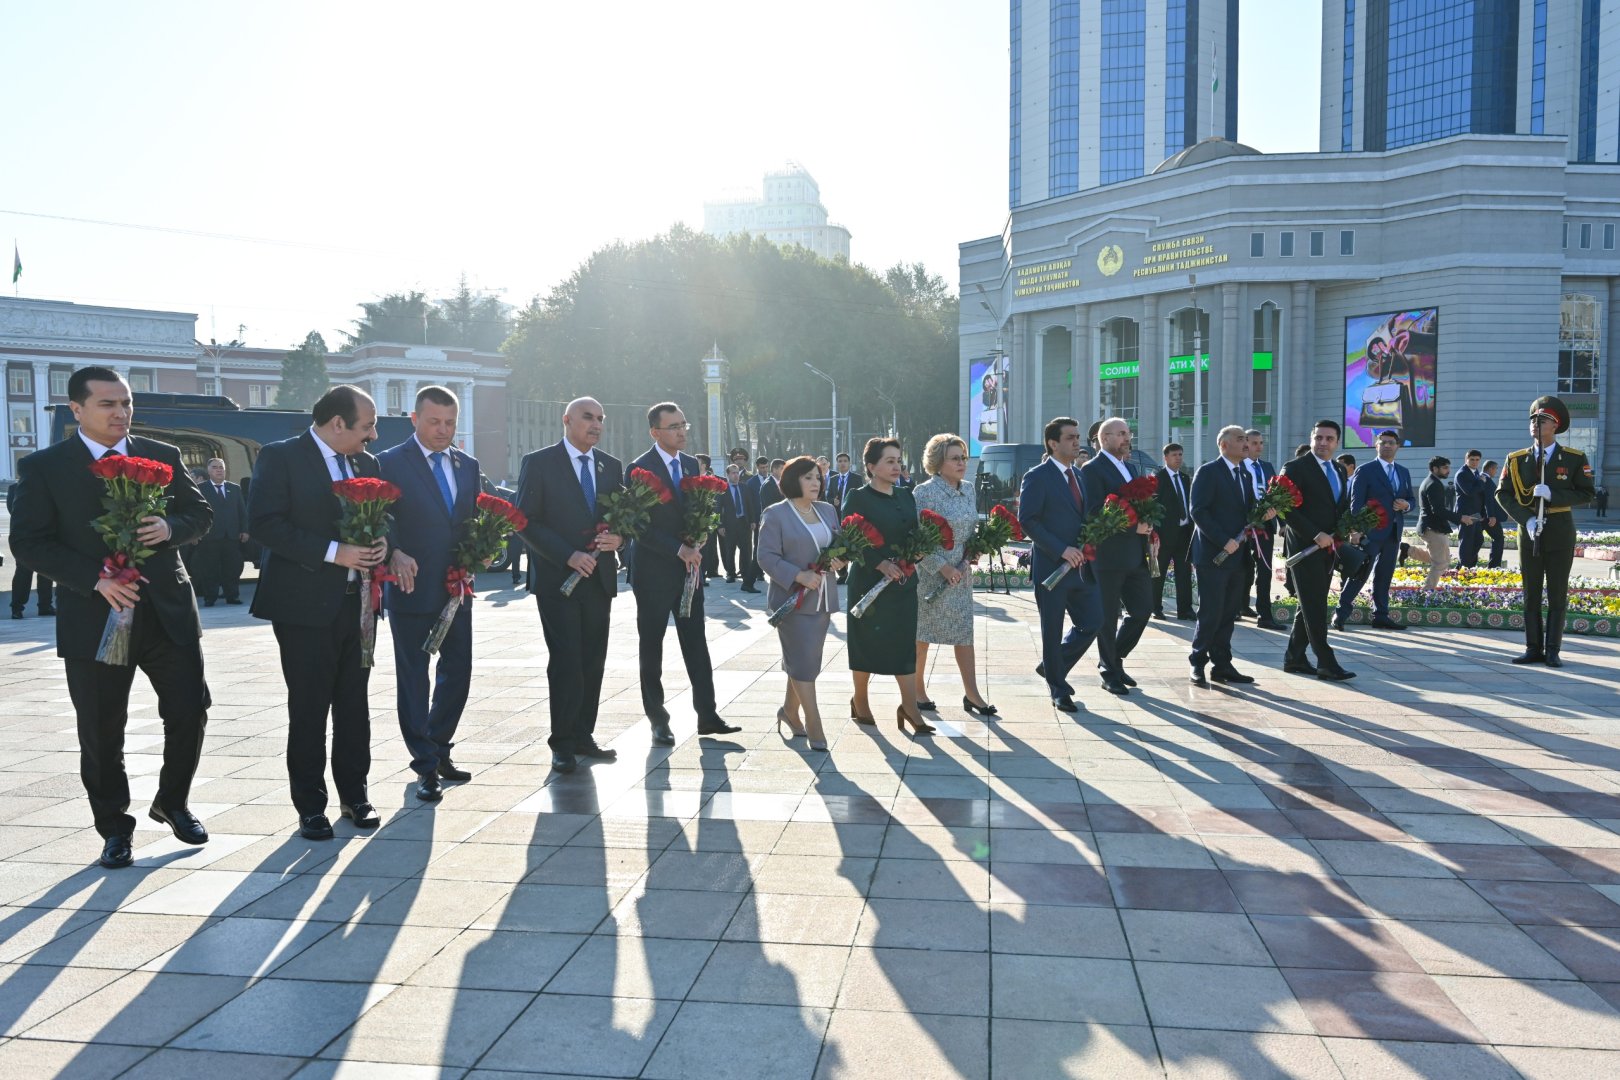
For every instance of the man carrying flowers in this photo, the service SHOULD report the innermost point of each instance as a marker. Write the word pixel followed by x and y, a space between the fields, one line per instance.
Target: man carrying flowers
pixel 1124 581
pixel 118 565
pixel 310 590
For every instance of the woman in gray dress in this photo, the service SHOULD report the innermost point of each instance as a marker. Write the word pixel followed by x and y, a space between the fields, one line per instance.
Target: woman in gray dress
pixel 791 536
pixel 947 619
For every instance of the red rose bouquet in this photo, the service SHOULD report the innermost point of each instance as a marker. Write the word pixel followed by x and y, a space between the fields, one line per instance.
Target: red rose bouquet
pixel 854 538
pixel 135 491
pixel 1112 518
pixel 932 533
pixel 699 494
pixel 1142 494
pixel 1369 517
pixel 1281 495
pixel 625 514
pixel 366 500
pixel 481 544
pixel 989 537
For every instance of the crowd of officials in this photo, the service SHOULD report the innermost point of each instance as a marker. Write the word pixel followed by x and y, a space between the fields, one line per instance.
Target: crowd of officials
pixel 775 522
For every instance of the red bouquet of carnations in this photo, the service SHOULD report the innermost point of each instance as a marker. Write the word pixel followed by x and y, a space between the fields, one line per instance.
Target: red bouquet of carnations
pixel 625 514
pixel 1112 518
pixel 932 533
pixel 1281 495
pixel 481 544
pixel 366 500
pixel 699 494
pixel 135 490
pixel 855 537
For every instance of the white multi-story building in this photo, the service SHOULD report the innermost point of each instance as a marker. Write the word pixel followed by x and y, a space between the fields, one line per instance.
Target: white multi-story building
pixel 789 213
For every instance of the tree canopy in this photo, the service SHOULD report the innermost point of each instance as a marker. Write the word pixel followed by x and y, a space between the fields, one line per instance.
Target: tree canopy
pixel 632 323
pixel 303 374
pixel 468 320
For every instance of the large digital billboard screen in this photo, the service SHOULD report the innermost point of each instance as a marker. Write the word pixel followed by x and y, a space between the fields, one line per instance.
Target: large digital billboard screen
pixel 1390 362
pixel 987 402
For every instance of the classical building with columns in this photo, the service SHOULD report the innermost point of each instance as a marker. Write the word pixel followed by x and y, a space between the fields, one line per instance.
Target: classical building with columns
pixel 1437 288
pixel 43 341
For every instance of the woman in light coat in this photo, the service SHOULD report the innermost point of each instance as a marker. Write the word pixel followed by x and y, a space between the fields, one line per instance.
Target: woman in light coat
pixel 792 534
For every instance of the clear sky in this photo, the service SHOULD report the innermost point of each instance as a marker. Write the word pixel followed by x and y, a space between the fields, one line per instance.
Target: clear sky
pixel 344 150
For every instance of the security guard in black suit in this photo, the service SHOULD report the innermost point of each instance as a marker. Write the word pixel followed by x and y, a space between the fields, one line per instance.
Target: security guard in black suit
pixel 1541 484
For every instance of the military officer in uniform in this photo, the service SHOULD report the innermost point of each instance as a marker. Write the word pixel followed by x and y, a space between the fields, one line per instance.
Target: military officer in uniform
pixel 1540 485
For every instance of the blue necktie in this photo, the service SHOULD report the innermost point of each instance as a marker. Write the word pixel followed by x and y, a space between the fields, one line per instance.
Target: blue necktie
pixel 736 502
pixel 1332 478
pixel 587 481
pixel 443 479
pixel 343 465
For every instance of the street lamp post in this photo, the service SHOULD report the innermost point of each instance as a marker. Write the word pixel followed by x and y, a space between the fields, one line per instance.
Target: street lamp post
pixel 215 352
pixel 1198 376
pixel 817 371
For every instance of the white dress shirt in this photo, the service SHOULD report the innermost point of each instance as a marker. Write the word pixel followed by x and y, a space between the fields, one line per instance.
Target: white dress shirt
pixel 330 456
pixel 1124 470
pixel 573 461
pixel 97 450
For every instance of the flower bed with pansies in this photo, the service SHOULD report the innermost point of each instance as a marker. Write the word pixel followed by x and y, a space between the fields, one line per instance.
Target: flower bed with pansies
pixel 1481 606
pixel 1589 543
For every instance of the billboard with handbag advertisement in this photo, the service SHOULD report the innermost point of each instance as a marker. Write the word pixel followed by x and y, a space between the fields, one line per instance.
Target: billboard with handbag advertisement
pixel 1390 362
pixel 987 401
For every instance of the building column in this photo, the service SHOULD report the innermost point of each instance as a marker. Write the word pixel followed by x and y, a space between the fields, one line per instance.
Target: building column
pixel 1153 381
pixel 465 424
pixel 42 398
pixel 1019 421
pixel 379 393
pixel 1082 359
pixel 1301 367
pixel 1223 409
pixel 1037 379
pixel 1609 400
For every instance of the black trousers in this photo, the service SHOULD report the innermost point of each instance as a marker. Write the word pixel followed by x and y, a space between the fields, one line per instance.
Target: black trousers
pixel 1311 581
pixel 22 583
pixel 1545 573
pixel 1221 592
pixel 1176 554
pixel 576 631
pixel 100 694
pixel 737 552
pixel 1131 592
pixel 321 665
pixel 654 606
pixel 711 556
pixel 216 565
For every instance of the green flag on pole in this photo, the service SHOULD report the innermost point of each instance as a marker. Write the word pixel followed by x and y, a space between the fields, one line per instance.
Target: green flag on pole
pixel 16 263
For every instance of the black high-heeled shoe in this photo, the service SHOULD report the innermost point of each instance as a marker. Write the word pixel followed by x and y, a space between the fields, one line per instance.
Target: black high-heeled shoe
pixel 986 709
pixel 927 706
pixel 921 727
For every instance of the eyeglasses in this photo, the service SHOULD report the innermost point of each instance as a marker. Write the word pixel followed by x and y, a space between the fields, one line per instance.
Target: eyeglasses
pixel 684 425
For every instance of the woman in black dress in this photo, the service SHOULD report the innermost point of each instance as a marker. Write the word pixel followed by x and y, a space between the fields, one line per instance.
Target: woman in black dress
pixel 882 641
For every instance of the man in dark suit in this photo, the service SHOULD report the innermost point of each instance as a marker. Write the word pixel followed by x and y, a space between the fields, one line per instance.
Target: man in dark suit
pixel 1052 509
pixel 1223 496
pixel 217 563
pixel 755 485
pixel 1494 514
pixel 663 561
pixel 22 578
pixel 1261 471
pixel 770 488
pixel 1388 482
pixel 438 496
pixel 51 531
pixel 1175 535
pixel 1123 578
pixel 1470 484
pixel 841 483
pixel 309 590
pixel 736 529
pixel 1437 513
pixel 1325 494
pixel 559 490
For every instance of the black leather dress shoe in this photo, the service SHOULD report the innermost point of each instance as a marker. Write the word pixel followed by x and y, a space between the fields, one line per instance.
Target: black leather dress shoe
pixel 315 827
pixel 564 763
pixel 1334 674
pixel 716 726
pixel 187 829
pixel 1160 615
pixel 234 603
pixel 208 603
pixel 1230 674
pixel 1197 677
pixel 1554 660
pixel 1247 612
pixel 1299 667
pixel 1387 624
pixel 1339 621
pixel 16 614
pixel 662 736
pixel 598 753
pixel 1114 686
pixel 363 814
pixel 1188 617
pixel 1268 624
pixel 1065 703
pixel 47 611
pixel 429 788
pixel 117 853
pixel 749 588
pixel 1040 669
pixel 1126 679
pixel 448 771
pixel 1529 656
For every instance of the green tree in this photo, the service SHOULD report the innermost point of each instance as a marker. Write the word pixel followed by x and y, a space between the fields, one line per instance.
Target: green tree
pixel 303 374
pixel 406 318
pixel 474 320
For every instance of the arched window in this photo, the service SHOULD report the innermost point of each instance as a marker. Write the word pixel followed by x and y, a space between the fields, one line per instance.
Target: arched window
pixel 1120 361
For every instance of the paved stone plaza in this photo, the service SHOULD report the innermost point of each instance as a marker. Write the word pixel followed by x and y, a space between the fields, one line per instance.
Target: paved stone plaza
pixel 1413 874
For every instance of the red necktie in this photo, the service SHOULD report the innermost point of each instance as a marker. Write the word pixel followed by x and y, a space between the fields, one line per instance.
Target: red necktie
pixel 1074 490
